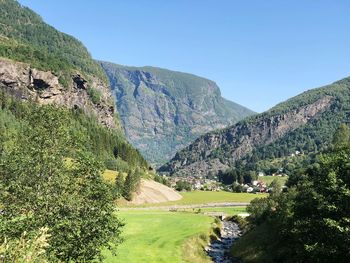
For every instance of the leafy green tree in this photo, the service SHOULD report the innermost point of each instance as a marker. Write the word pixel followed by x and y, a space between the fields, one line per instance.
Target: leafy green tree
pixel 237 188
pixel 183 185
pixel 342 136
pixel 40 188
pixel 276 186
pixel 322 207
pixel 26 249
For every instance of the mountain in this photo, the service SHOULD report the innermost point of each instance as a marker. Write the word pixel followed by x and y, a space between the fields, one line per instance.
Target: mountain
pixel 304 123
pixel 163 111
pixel 56 67
pixel 41 65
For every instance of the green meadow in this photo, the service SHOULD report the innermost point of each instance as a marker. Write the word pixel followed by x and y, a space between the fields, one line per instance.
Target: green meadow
pixel 230 211
pixel 204 197
pixel 156 236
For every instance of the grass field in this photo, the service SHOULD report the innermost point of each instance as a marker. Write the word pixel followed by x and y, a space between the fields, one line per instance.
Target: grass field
pixel 269 179
pixel 230 211
pixel 155 236
pixel 203 197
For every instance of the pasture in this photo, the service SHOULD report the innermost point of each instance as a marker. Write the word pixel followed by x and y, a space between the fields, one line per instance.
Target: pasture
pixel 156 236
pixel 205 197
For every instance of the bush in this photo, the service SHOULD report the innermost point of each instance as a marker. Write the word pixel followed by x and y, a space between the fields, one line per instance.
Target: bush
pixel 183 185
pixel 111 164
pixel 95 95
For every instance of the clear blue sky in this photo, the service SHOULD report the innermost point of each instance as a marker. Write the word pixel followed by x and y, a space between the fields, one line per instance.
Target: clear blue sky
pixel 260 52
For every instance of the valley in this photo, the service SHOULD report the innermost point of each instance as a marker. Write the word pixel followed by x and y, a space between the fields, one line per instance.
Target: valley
pixel 103 162
pixel 179 235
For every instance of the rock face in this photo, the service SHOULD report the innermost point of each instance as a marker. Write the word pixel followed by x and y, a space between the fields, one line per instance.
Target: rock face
pixel 27 83
pixel 163 111
pixel 219 150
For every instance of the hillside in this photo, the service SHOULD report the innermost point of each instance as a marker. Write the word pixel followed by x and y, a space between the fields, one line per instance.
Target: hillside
pixel 304 123
pixel 39 64
pixel 163 111
pixel 56 67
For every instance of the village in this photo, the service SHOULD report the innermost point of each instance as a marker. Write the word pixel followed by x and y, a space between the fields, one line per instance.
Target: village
pixel 204 184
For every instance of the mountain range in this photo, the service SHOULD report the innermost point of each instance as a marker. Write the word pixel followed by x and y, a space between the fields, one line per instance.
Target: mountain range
pixel 162 111
pixel 304 124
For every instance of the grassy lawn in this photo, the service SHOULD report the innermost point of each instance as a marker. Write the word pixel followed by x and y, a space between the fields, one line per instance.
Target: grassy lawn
pixel 269 179
pixel 203 197
pixel 230 211
pixel 156 236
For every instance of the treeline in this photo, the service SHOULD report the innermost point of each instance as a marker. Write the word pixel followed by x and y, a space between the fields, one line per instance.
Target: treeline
pixel 107 145
pixel 309 222
pixel 238 174
pixel 25 37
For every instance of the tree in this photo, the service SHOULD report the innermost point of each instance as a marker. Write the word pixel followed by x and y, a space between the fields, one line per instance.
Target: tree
pixel 276 186
pixel 341 136
pixel 237 188
pixel 322 206
pixel 311 221
pixel 129 186
pixel 119 185
pixel 39 188
pixel 26 249
pixel 183 185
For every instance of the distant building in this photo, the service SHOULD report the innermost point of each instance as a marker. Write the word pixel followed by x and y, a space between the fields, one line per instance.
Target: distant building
pixel 250 189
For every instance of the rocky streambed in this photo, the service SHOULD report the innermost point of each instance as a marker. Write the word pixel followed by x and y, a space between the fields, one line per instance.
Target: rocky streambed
pixel 219 250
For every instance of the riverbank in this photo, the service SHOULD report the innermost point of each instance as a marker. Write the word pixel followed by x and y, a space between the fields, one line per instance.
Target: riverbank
pixel 219 250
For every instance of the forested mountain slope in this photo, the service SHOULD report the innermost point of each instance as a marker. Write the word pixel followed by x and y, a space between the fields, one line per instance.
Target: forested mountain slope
pixel 163 111
pixel 39 64
pixel 304 123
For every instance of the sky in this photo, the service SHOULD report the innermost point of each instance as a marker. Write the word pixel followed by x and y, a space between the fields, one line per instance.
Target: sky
pixel 259 52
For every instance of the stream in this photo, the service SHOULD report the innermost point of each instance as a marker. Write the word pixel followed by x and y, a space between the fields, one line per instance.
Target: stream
pixel 219 250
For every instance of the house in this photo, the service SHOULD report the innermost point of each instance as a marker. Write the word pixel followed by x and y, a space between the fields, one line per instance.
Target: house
pixel 250 189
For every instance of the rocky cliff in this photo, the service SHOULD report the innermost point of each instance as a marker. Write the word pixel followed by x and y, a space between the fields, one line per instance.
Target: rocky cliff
pixel 302 123
pixel 163 111
pixel 27 83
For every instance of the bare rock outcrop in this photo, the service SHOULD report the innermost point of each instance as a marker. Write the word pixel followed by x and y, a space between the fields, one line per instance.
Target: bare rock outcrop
pixel 26 83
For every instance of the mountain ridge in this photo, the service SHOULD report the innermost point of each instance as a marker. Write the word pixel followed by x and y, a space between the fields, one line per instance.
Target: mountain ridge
pixel 163 110
pixel 301 123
